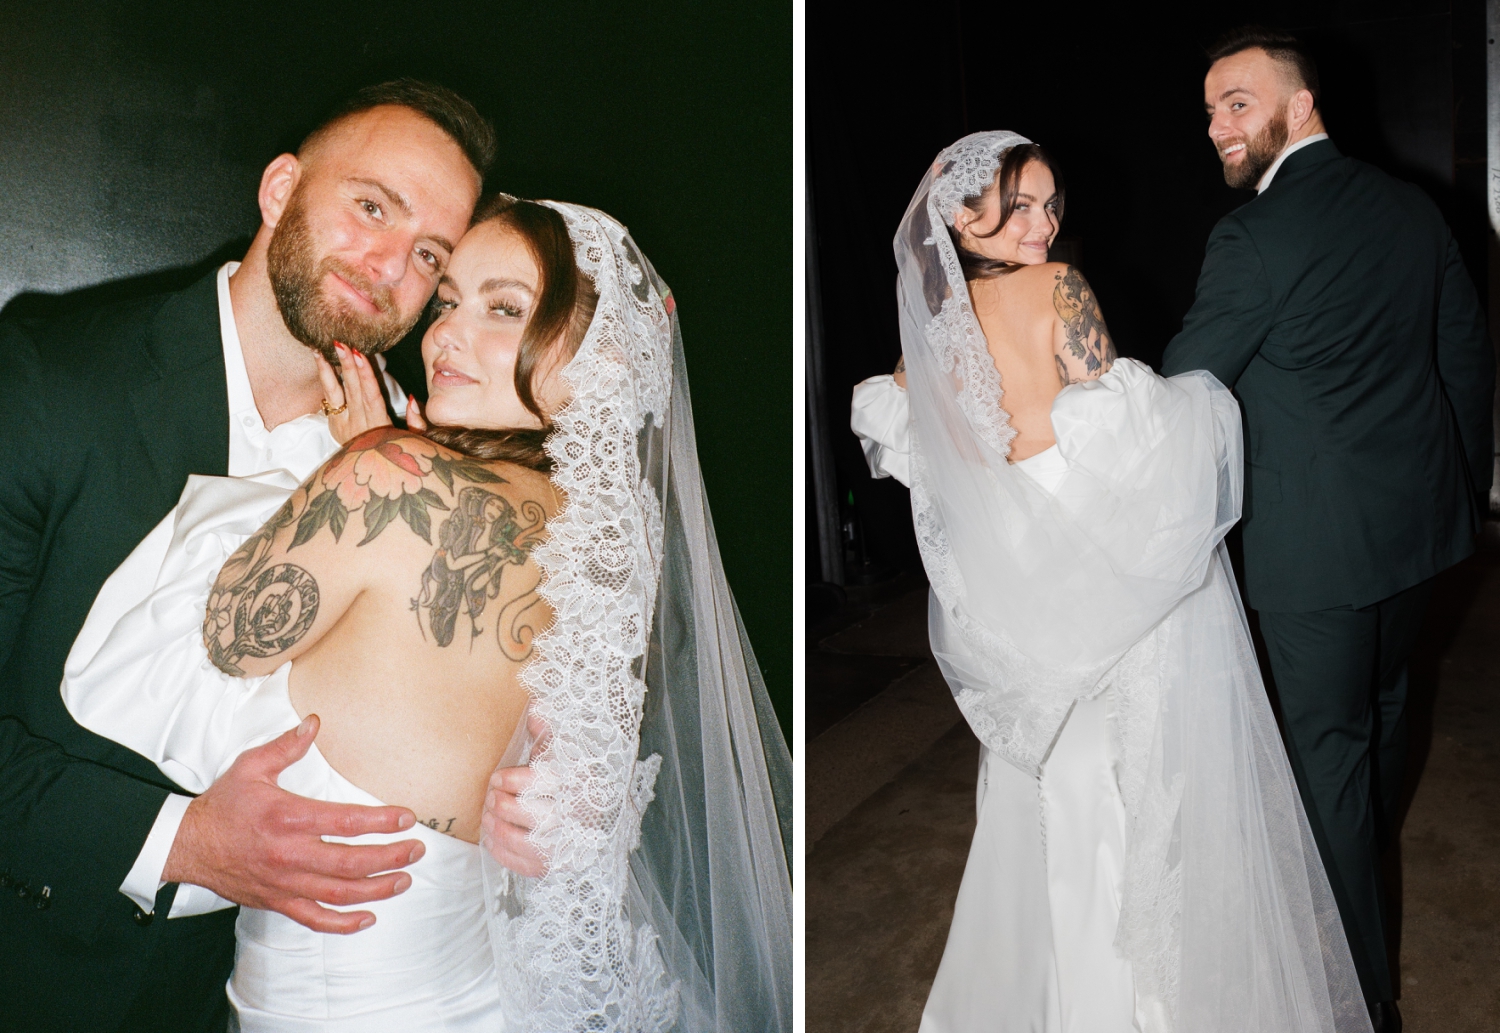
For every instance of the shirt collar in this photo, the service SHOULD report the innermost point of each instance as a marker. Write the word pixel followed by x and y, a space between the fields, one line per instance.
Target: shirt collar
pixel 241 398
pixel 1265 180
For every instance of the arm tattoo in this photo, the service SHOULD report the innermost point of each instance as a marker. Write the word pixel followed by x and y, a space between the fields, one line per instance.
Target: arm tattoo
pixel 258 608
pixel 439 825
pixel 1088 338
pixel 481 537
pixel 901 364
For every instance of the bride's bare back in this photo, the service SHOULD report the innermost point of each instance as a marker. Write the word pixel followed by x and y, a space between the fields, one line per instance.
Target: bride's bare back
pixel 399 579
pixel 1044 331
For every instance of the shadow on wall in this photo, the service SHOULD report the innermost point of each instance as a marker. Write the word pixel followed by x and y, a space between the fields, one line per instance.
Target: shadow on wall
pixel 42 305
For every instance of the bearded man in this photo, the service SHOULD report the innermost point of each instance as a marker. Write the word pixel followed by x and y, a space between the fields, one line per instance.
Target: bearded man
pixel 1336 306
pixel 116 888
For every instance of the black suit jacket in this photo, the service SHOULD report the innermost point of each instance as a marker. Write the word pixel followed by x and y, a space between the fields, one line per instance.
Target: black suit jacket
pixel 108 413
pixel 1337 307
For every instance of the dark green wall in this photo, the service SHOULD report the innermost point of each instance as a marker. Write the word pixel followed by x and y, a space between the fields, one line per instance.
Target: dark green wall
pixel 132 136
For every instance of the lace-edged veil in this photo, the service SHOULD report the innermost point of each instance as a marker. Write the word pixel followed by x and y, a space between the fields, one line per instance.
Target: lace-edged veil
pixel 664 799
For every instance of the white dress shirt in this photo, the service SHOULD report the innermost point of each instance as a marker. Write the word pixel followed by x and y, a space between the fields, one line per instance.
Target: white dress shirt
pixel 299 447
pixel 1265 180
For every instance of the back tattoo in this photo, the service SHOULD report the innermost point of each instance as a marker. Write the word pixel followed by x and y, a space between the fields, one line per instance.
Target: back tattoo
pixel 258 608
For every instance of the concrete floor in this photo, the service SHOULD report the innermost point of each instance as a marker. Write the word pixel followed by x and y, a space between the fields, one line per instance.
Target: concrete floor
pixel 890 811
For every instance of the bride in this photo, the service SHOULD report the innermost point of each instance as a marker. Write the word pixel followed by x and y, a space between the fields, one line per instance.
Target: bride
pixel 544 549
pixel 1141 860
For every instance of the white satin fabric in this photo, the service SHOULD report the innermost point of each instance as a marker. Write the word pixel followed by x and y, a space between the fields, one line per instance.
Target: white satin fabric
pixel 1031 947
pixel 138 674
pixel 880 417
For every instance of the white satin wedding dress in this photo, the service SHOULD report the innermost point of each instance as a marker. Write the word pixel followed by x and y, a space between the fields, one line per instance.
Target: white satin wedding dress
pixel 138 674
pixel 1031 944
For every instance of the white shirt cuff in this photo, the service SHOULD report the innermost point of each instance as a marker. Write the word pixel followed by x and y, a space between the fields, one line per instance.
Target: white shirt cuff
pixel 196 900
pixel 144 879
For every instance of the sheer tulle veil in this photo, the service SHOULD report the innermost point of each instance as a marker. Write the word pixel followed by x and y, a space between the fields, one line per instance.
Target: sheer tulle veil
pixel 1119 580
pixel 664 798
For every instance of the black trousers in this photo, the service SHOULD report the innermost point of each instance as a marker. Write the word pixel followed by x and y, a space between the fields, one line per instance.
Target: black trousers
pixel 1342 682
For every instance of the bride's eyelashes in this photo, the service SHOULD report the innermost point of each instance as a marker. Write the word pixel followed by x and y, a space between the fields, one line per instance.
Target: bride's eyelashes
pixel 510 308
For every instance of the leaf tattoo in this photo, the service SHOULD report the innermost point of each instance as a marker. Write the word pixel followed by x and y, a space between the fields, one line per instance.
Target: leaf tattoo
pixel 381 478
pixel 1087 338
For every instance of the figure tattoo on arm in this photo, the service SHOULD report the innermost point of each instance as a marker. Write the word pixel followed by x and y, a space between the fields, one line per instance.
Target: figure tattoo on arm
pixel 1087 338
pixel 258 608
pixel 476 543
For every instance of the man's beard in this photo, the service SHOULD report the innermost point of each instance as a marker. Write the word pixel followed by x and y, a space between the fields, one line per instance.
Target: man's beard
pixel 1260 154
pixel 312 317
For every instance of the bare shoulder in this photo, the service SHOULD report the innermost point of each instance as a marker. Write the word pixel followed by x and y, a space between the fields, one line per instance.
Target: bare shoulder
pixel 1035 284
pixel 1047 273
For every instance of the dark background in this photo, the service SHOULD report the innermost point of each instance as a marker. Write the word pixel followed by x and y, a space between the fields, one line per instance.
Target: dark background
pixel 1115 93
pixel 133 136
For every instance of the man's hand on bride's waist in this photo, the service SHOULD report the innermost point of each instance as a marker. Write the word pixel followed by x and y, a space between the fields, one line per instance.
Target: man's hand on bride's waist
pixel 254 843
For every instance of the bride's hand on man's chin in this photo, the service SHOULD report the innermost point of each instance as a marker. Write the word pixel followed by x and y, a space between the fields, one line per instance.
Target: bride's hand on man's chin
pixel 352 399
pixel 256 844
pixel 506 823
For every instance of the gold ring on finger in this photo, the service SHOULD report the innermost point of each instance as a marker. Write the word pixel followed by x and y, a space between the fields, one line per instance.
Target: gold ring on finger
pixel 329 410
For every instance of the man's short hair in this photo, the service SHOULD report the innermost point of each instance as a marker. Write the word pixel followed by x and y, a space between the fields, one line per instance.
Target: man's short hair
pixel 439 105
pixel 1283 48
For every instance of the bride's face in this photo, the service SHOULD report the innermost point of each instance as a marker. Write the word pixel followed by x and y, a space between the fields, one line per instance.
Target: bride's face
pixel 1027 234
pixel 483 302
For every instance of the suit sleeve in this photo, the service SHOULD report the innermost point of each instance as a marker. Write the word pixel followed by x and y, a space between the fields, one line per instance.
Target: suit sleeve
pixel 66 823
pixel 1466 365
pixel 1232 311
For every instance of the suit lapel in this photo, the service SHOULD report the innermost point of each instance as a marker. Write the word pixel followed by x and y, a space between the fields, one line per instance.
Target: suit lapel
pixel 181 404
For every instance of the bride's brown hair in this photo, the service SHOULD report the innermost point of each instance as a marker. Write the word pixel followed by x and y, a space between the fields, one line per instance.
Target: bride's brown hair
pixel 560 317
pixel 1007 186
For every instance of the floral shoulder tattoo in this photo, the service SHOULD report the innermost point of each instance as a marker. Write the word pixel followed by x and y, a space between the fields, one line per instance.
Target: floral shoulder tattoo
pixel 260 608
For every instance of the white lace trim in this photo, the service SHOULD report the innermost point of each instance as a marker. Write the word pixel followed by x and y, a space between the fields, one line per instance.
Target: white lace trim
pixel 577 959
pixel 966 168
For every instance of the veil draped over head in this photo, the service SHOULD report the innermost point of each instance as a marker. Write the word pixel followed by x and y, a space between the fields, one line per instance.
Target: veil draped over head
pixel 663 800
pixel 1119 580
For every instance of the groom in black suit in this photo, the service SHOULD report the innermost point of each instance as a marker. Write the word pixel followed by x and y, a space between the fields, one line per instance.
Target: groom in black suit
pixel 109 412
pixel 1336 306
